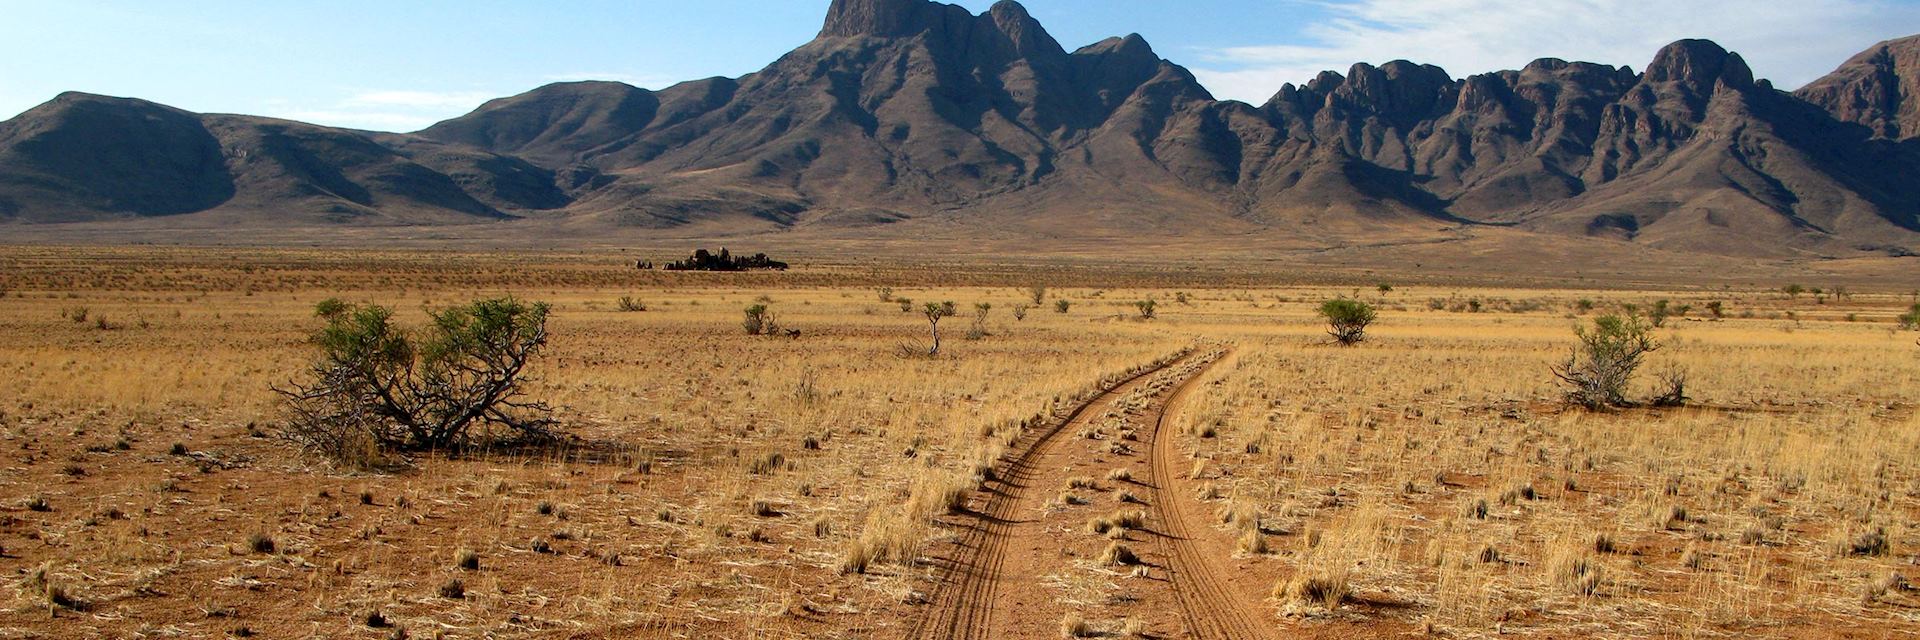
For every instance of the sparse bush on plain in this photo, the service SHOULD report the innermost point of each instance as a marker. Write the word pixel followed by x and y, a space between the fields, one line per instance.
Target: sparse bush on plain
pixel 978 329
pixel 1146 308
pixel 758 321
pixel 1911 319
pixel 628 304
pixel 1347 319
pixel 935 312
pixel 378 389
pixel 1602 365
pixel 1062 305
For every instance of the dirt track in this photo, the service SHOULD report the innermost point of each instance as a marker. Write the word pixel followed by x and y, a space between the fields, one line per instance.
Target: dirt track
pixel 1021 550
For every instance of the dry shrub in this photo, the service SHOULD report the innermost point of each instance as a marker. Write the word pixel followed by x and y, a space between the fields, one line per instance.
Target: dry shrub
pixel 1319 588
pixel 887 537
pixel 936 494
pixel 1572 569
pixel 1118 554
pixel 453 589
pixel 1253 542
pixel 1074 626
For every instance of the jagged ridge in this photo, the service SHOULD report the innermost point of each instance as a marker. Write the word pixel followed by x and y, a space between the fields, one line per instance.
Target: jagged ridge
pixel 907 110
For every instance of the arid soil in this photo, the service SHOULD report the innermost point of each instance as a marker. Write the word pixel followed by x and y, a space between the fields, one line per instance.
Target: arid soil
pixel 1217 471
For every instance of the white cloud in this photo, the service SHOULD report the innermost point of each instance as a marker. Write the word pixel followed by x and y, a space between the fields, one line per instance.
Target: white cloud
pixel 645 81
pixel 382 110
pixel 1789 41
pixel 368 120
pixel 418 99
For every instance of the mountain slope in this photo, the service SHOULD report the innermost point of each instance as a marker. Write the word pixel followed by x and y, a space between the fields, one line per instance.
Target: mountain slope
pixel 909 117
pixel 1878 89
pixel 83 157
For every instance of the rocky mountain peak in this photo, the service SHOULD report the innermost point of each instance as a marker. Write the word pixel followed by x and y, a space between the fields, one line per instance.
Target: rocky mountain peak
pixel 879 18
pixel 1699 63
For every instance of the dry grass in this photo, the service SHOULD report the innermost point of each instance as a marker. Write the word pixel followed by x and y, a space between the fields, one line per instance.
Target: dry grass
pixel 728 476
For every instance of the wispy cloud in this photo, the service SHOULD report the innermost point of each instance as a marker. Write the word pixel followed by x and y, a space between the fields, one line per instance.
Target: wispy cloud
pixel 383 110
pixel 418 99
pixel 1791 42
pixel 645 81
pixel 368 120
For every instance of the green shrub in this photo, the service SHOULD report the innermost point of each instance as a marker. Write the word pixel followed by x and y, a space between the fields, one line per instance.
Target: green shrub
pixel 1601 366
pixel 1347 319
pixel 759 321
pixel 376 388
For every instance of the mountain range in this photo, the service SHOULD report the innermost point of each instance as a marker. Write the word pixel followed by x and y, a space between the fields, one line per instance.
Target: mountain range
pixel 908 117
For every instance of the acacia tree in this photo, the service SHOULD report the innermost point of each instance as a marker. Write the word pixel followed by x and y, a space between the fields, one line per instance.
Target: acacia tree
pixel 936 312
pixel 1347 319
pixel 376 388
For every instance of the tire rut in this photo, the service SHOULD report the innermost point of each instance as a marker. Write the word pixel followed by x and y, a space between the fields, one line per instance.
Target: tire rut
pixel 1211 607
pixel 962 606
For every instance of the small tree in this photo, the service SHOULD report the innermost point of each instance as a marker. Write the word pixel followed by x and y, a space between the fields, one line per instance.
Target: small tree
pixel 1020 310
pixel 1062 305
pixel 1347 319
pixel 1146 308
pixel 376 388
pixel 1602 365
pixel 1793 290
pixel 1038 294
pixel 936 312
pixel 1911 319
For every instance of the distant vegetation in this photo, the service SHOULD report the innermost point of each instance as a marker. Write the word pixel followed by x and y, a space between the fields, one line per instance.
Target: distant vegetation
pixel 703 260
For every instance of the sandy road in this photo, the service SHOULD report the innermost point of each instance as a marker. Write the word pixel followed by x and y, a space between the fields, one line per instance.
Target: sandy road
pixel 963 606
pixel 981 598
pixel 1209 605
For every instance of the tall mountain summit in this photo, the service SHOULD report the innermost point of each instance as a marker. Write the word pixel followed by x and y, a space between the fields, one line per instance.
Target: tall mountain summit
pixel 904 115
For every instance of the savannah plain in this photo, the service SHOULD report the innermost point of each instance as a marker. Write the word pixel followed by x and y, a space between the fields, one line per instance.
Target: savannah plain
pixel 1220 470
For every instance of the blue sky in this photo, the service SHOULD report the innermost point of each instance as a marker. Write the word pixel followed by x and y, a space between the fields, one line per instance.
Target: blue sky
pixel 401 65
